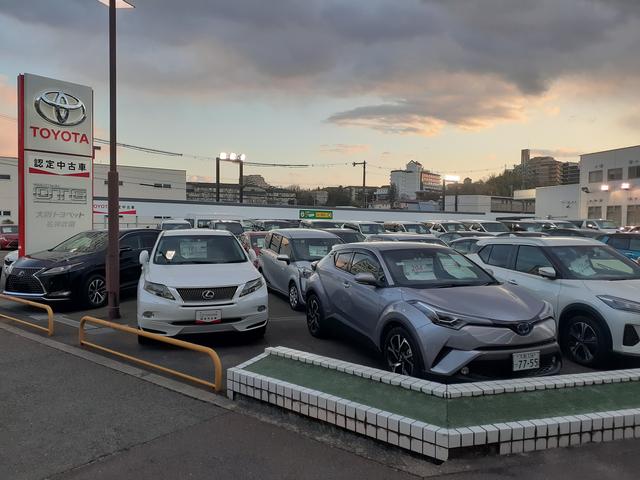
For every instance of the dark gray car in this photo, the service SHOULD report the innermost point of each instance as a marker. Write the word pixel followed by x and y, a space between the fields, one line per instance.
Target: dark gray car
pixel 430 310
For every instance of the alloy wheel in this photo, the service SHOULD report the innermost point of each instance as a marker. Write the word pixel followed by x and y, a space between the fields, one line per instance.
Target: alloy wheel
pixel 583 342
pixel 293 296
pixel 313 315
pixel 97 291
pixel 399 355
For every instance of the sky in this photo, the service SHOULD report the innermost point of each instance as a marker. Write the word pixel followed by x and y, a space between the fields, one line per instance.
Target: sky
pixel 458 85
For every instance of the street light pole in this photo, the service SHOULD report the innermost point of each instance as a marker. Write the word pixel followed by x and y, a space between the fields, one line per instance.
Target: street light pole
pixel 364 181
pixel 113 249
pixel 218 179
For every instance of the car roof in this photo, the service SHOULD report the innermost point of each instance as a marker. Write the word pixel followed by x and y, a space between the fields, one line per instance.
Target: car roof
pixel 339 230
pixel 540 241
pixel 403 222
pixel 198 232
pixel 303 233
pixel 466 239
pixel 361 221
pixel 404 235
pixel 382 246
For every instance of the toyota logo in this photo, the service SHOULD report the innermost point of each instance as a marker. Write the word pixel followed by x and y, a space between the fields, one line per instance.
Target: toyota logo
pixel 60 108
pixel 524 328
pixel 208 294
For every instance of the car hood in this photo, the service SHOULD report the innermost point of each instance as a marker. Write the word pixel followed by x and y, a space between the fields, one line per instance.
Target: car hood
pixel 194 276
pixel 48 259
pixel 494 302
pixel 628 289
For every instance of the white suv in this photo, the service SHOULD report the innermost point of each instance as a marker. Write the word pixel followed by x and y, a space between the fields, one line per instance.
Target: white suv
pixel 200 281
pixel 593 289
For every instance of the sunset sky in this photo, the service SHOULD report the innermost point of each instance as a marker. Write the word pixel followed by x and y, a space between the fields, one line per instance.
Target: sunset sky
pixel 460 86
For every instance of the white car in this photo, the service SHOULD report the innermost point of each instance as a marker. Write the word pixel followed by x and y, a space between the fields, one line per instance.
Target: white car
pixel 174 224
pixel 200 281
pixel 594 290
pixel 8 260
pixel 492 227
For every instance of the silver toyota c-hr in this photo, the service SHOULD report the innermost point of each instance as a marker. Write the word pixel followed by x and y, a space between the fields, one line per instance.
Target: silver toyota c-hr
pixel 431 311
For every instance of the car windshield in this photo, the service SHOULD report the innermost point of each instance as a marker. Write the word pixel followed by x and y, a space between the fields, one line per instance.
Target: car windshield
pixel 323 224
pixel 371 228
pixel 233 227
pixel 312 249
pixel 454 227
pixel 85 242
pixel 592 262
pixel 9 229
pixel 495 227
pixel 606 224
pixel 275 224
pixel 198 249
pixel 203 223
pixel 564 224
pixel 431 268
pixel 176 226
pixel 349 236
pixel 257 242
pixel 415 228
pixel 530 227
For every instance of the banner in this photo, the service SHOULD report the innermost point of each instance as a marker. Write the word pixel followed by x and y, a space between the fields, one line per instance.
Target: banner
pixel 55 154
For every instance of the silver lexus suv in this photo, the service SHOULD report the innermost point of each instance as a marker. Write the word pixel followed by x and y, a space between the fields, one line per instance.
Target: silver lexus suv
pixel 430 310
pixel 285 260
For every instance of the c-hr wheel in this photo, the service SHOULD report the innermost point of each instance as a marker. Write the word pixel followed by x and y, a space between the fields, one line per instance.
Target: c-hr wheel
pixel 315 317
pixel 586 341
pixel 294 296
pixel 401 353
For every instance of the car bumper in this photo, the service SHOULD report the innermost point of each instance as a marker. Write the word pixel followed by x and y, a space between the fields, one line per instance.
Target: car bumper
pixel 496 363
pixel 625 332
pixel 170 317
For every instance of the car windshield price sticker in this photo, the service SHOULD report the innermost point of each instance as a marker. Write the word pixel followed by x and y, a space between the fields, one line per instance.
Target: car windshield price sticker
pixel 418 269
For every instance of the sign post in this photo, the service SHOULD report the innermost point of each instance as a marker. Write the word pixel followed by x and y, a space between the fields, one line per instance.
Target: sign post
pixel 315 214
pixel 55 161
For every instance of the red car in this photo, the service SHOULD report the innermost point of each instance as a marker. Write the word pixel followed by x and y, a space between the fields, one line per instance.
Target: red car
pixel 253 242
pixel 8 237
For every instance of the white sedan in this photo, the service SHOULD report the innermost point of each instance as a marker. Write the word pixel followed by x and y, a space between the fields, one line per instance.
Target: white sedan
pixel 200 281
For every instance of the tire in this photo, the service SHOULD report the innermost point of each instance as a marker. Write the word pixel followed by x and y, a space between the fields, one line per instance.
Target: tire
pixel 294 297
pixel 94 291
pixel 316 323
pixel 256 334
pixel 586 341
pixel 401 354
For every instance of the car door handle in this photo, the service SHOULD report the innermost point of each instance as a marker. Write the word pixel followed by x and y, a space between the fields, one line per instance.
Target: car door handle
pixel 346 284
pixel 512 282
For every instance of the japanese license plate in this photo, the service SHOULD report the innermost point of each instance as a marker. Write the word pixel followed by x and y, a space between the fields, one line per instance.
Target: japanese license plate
pixel 208 316
pixel 526 360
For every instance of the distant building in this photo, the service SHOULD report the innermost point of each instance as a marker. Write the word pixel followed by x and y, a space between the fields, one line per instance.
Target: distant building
pixel 9 189
pixel 545 171
pixel 570 173
pixel 431 181
pixel 489 204
pixel 142 182
pixel 255 180
pixel 320 197
pixel 408 181
pixel 230 193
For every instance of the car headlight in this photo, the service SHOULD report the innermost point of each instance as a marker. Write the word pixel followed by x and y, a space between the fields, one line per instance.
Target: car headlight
pixel 438 317
pixel 61 269
pixel 251 286
pixel 8 267
pixel 305 272
pixel 620 303
pixel 547 312
pixel 159 290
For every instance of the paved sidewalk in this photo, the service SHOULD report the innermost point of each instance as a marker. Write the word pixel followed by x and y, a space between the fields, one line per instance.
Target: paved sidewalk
pixel 66 417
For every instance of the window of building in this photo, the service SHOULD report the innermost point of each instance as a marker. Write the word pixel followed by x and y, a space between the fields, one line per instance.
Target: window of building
pixel 595 176
pixel 6 213
pixel 634 172
pixel 633 214
pixel 594 212
pixel 614 213
pixel 614 174
pixel 168 185
pixel 5 176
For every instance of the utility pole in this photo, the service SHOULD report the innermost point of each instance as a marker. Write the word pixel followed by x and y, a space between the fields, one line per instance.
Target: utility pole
pixel 218 179
pixel 241 181
pixel 364 181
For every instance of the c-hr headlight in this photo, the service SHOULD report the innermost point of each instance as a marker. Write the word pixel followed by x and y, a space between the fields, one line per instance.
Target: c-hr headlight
pixel 547 312
pixel 439 317
pixel 620 303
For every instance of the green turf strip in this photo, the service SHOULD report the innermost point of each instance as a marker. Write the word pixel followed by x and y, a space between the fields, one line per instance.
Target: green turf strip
pixel 456 412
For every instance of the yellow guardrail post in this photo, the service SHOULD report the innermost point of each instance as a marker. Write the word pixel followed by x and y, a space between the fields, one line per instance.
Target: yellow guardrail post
pixel 217 364
pixel 41 306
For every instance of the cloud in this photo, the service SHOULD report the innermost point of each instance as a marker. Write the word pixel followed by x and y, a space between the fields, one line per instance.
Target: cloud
pixel 397 63
pixel 556 153
pixel 343 148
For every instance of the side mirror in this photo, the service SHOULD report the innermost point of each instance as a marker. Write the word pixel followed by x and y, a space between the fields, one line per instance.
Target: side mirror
pixel 125 249
pixel 284 258
pixel 144 257
pixel 314 265
pixel 547 272
pixel 366 278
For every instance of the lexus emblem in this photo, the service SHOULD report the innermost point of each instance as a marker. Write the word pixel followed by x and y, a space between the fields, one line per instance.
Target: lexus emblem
pixel 523 328
pixel 208 294
pixel 21 273
pixel 60 108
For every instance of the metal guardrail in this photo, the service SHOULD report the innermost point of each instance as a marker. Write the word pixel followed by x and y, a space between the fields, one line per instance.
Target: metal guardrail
pixel 49 329
pixel 217 364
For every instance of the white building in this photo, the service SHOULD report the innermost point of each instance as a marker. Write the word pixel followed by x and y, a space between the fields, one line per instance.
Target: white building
pixel 558 201
pixel 610 185
pixel 9 189
pixel 408 181
pixel 142 182
pixel 489 204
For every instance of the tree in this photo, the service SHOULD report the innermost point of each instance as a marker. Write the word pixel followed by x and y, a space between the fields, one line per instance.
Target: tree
pixel 393 195
pixel 7 221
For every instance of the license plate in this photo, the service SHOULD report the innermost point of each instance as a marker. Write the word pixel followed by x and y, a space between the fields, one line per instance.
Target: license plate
pixel 526 361
pixel 209 316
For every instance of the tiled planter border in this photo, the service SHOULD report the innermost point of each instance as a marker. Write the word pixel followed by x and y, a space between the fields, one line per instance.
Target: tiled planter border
pixel 432 440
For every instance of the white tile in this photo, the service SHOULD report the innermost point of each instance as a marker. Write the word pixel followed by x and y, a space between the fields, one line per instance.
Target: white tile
pixel 416 429
pixel 563 441
pixel 552 442
pixel 442 453
pixel 404 442
pixel 466 436
pixel 429 450
pixel 416 445
pixel 372 431
pixel 505 448
pixel 392 438
pixel 479 435
pixel 405 426
pixel 517 447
